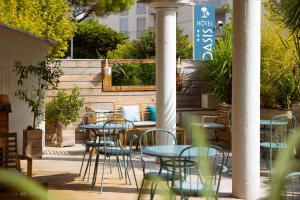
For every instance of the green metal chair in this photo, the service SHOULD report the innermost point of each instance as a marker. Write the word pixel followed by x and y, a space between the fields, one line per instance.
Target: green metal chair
pixel 89 137
pixel 151 165
pixel 281 127
pixel 292 186
pixel 202 167
pixel 118 131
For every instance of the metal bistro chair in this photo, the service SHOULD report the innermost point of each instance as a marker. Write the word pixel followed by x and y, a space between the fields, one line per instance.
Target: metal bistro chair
pixel 91 117
pixel 117 131
pixel 151 166
pixel 281 127
pixel 202 166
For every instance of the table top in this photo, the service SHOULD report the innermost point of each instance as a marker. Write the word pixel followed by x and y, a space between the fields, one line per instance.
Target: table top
pixel 173 151
pixel 266 122
pixel 110 126
pixel 142 129
pixel 263 122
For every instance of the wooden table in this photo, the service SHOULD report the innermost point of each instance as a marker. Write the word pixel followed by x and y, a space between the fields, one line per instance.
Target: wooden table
pixel 180 133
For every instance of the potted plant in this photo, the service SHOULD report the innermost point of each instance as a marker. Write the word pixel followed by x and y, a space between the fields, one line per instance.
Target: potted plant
pixel 62 110
pixel 219 73
pixel 219 69
pixel 33 81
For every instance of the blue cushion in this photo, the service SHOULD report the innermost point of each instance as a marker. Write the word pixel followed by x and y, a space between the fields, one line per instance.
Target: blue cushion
pixel 152 110
pixel 131 113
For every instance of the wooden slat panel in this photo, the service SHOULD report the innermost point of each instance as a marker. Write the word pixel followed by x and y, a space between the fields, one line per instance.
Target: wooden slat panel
pixel 81 71
pixel 135 61
pixel 71 85
pixel 81 63
pixel 81 78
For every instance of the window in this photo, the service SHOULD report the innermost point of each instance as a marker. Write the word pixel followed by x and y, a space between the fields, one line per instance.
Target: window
pixel 128 75
pixel 124 25
pixel 140 26
pixel 140 8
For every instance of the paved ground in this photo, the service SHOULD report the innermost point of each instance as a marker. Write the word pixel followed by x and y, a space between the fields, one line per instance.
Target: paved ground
pixel 60 166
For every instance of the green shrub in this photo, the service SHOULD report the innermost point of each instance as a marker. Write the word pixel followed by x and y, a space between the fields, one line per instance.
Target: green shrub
pixel 64 107
pixel 94 40
pixel 219 70
pixel 277 84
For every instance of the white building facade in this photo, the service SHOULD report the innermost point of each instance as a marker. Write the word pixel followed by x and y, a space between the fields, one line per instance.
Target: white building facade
pixel 140 17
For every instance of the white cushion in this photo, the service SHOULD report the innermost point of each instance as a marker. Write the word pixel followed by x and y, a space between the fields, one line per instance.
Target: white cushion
pixel 131 113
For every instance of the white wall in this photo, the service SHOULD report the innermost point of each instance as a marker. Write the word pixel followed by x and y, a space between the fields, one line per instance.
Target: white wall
pixel 16 46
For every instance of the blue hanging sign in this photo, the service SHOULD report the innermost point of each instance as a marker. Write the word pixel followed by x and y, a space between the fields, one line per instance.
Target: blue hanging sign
pixel 204 31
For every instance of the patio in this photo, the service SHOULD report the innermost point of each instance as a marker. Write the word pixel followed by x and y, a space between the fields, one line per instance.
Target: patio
pixel 60 166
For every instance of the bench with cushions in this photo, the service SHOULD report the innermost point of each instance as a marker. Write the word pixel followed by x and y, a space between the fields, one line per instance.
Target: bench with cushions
pixel 141 114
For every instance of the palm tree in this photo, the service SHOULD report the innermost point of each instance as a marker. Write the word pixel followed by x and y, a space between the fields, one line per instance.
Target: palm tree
pixel 290 10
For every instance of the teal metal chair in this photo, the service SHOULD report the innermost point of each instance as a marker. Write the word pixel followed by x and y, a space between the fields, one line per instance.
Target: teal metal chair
pixel 292 186
pixel 152 170
pixel 281 127
pixel 120 132
pixel 202 167
pixel 89 138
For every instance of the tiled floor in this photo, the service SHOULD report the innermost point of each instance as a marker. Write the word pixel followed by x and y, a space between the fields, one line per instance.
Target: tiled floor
pixel 60 166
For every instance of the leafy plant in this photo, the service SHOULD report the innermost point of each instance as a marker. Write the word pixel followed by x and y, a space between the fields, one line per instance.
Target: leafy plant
pixel 88 8
pixel 133 74
pixel 144 47
pixel 64 107
pixel 219 70
pixel 94 40
pixel 47 18
pixel 277 84
pixel 43 76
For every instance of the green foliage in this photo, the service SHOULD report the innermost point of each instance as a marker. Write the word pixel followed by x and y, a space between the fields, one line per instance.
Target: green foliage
pixel 284 164
pixel 64 107
pixel 277 85
pixel 133 74
pixel 100 8
pixel 144 47
pixel 94 40
pixel 219 70
pixel 287 12
pixel 43 76
pixel 47 18
pixel 23 184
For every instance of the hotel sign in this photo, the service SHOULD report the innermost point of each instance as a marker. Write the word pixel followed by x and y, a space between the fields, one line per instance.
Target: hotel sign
pixel 204 31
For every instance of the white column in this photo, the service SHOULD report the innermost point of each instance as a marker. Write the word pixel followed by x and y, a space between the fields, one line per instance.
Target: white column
pixel 166 69
pixel 246 99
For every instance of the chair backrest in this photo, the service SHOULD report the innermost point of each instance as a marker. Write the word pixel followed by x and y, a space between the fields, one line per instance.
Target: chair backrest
pixel 118 131
pixel 148 139
pixel 88 117
pixel 9 151
pixel 94 117
pixel 281 126
pixel 222 114
pixel 202 167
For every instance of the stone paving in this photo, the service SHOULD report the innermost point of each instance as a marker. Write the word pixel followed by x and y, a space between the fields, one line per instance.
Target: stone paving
pixel 59 167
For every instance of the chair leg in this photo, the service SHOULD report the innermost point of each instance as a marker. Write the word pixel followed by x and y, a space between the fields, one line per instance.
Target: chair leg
pixel 95 171
pixel 125 169
pixel 110 164
pixel 140 192
pixel 119 168
pixel 137 187
pixel 101 185
pixel 86 150
pixel 88 163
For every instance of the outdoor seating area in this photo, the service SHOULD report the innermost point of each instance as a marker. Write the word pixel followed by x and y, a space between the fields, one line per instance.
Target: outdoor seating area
pixel 149 99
